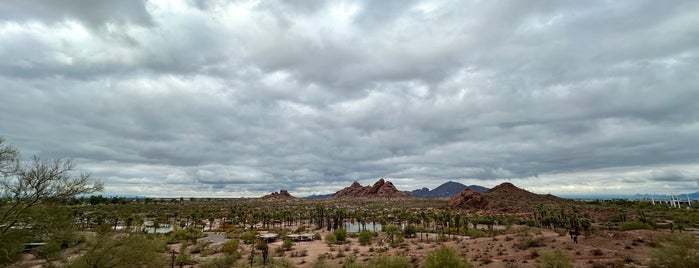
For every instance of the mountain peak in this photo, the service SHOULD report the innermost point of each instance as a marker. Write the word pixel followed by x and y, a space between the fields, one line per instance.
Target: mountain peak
pixel 282 194
pixel 447 189
pixel 504 197
pixel 381 188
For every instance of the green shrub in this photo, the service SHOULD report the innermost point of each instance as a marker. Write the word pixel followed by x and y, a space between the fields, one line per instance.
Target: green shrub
pixel 287 244
pixel 676 250
pixel 445 257
pixel 248 237
pixel 222 262
pixel 636 225
pixel 340 235
pixel 130 251
pixel 12 245
pixel 556 259
pixel 475 233
pixel 330 238
pixel 187 234
pixel 230 248
pixel 365 237
pixel 409 231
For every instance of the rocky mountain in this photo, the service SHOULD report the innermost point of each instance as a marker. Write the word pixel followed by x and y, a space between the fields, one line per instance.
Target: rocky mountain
pixel 380 189
pixel 447 189
pixel 281 195
pixel 503 198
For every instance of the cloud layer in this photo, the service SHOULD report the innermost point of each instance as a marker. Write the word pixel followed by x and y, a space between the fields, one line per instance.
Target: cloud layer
pixel 212 98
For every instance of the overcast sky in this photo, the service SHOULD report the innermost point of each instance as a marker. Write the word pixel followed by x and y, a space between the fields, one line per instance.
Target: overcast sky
pixel 209 98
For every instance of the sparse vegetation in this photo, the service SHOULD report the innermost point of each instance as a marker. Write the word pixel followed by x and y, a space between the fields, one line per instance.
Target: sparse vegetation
pixel 445 257
pixel 555 259
pixel 676 250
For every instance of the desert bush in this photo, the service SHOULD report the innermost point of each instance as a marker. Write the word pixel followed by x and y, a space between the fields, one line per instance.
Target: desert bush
pixel 221 262
pixel 526 240
pixel 287 244
pixel 445 257
pixel 636 225
pixel 320 263
pixel 186 234
pixel 340 235
pixel 556 259
pixel 233 232
pixel 130 251
pixel 330 239
pixel 409 231
pixel 676 250
pixel 248 237
pixel 475 233
pixel 230 248
pixel 365 237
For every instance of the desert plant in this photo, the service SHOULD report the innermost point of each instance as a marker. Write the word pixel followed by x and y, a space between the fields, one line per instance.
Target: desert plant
pixel 230 248
pixel 556 259
pixel 636 225
pixel 131 251
pixel 340 235
pixel 445 257
pixel 676 250
pixel 287 244
pixel 330 239
pixel 365 237
pixel 221 262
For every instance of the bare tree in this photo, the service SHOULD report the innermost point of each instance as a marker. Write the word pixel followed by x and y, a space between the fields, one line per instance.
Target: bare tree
pixel 25 185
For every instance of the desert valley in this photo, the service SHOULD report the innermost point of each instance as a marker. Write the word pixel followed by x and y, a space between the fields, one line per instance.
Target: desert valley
pixel 375 226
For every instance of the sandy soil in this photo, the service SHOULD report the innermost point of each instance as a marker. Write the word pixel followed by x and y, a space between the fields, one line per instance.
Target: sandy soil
pixel 603 249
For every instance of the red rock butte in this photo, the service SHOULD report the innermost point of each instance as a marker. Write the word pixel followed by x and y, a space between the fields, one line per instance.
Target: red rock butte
pixel 281 195
pixel 502 198
pixel 380 189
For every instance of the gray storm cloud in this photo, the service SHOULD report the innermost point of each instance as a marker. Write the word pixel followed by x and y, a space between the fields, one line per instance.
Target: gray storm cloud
pixel 218 98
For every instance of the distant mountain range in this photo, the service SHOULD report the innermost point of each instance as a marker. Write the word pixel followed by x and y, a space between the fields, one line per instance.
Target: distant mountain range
pixel 450 189
pixel 319 196
pixel 447 189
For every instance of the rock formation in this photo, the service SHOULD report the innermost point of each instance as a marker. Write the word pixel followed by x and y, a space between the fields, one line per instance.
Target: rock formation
pixel 281 195
pixel 380 189
pixel 503 198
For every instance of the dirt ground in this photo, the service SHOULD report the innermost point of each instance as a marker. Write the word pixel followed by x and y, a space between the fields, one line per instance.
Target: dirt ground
pixel 602 249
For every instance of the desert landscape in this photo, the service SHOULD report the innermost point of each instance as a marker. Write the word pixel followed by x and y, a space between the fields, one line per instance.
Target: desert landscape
pixel 379 226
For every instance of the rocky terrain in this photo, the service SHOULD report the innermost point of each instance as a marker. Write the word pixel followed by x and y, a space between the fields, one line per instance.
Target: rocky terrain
pixel 503 198
pixel 380 189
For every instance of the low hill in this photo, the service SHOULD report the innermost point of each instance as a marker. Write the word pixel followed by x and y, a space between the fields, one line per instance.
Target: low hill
pixel 503 198
pixel 380 189
pixel 447 189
